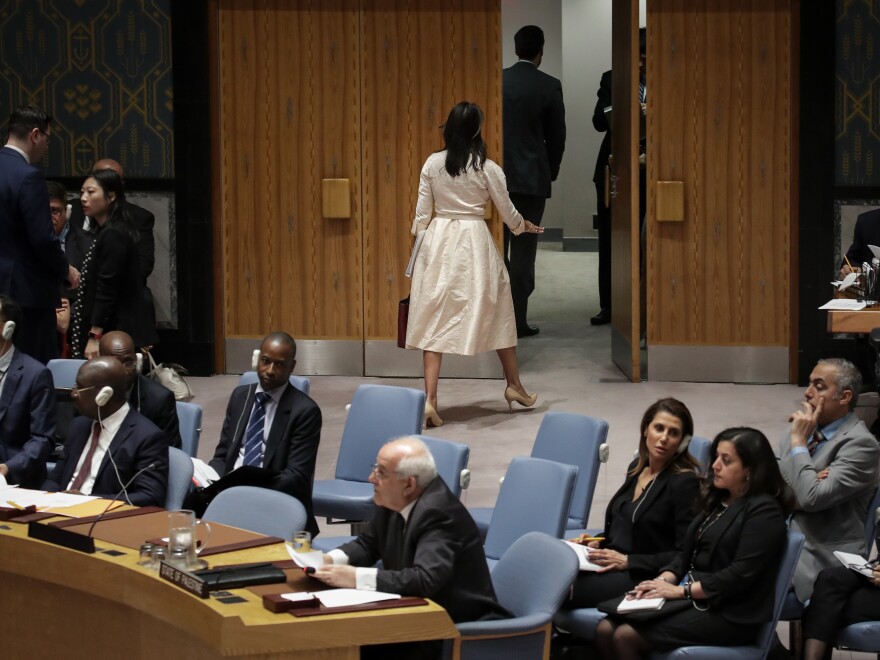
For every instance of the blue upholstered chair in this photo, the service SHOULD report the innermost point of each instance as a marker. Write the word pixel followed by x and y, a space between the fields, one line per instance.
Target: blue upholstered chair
pixel 180 474
pixel 189 417
pixel 535 496
pixel 574 440
pixel 582 622
pixel 699 449
pixel 301 383
pixel 259 510
pixel 64 372
pixel 378 413
pixel 530 580
pixel 451 459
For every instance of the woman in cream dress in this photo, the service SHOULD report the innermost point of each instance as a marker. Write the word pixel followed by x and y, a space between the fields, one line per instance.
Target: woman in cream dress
pixel 460 300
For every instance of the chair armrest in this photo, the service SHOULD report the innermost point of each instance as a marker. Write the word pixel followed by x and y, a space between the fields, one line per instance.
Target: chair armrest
pixel 518 625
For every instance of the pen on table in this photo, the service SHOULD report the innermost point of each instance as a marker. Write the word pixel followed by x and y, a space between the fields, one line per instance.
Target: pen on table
pixel 848 263
pixel 584 538
pixel 13 504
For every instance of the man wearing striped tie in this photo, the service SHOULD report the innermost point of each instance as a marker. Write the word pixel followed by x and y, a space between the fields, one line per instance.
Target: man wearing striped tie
pixel 273 426
pixel 830 460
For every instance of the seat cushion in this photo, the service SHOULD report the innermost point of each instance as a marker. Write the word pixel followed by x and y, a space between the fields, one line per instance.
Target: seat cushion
pixel 581 622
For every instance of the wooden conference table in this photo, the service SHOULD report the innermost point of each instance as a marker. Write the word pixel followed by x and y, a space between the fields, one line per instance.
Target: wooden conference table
pixel 863 320
pixel 60 603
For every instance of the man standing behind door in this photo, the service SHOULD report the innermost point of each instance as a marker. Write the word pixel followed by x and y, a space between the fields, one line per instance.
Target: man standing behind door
pixel 534 140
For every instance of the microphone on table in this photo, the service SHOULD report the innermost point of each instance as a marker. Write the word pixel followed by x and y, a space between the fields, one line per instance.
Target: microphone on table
pixel 116 497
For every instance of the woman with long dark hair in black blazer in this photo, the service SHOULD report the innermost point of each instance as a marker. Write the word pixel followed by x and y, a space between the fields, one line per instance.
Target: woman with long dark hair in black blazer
pixel 112 295
pixel 647 518
pixel 726 573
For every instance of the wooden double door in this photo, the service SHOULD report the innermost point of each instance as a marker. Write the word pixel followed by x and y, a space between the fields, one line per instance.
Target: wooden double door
pixel 307 91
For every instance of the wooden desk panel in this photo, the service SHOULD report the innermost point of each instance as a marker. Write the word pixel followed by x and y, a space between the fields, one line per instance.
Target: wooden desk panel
pixel 61 603
pixel 862 321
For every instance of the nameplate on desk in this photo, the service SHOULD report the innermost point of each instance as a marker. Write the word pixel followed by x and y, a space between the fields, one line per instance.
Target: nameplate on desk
pixel 63 537
pixel 186 581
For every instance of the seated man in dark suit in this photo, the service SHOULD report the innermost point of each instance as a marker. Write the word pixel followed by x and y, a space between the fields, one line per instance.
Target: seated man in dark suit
pixel 151 399
pixel 27 407
pixel 865 233
pixel 428 543
pixel 121 452
pixel 273 425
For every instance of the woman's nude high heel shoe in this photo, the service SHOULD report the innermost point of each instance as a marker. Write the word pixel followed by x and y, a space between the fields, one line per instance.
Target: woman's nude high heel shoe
pixel 512 395
pixel 431 416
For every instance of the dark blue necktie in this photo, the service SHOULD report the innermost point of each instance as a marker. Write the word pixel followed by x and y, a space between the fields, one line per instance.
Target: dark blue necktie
pixel 253 439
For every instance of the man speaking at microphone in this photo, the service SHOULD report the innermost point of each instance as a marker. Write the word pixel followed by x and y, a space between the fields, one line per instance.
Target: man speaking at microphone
pixel 112 446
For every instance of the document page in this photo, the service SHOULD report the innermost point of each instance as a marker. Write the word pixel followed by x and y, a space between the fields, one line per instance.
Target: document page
pixel 583 555
pixel 640 605
pixel 844 304
pixel 854 562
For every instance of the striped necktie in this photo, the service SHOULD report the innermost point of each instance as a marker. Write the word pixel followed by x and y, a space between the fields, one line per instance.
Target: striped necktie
pixel 643 92
pixel 253 439
pixel 814 442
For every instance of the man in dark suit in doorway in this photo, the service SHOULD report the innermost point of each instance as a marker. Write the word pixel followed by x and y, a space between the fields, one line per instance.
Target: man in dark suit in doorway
pixel 534 140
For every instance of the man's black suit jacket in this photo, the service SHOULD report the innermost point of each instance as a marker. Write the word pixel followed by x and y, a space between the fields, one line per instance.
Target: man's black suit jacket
pixel 867 232
pixel 660 522
pixel 137 444
pixel 534 129
pixel 291 448
pixel 143 221
pixel 738 570
pixel 442 556
pixel 157 403
pixel 27 420
pixel 32 264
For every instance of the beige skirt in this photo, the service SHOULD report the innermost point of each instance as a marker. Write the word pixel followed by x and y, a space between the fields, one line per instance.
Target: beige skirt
pixel 460 299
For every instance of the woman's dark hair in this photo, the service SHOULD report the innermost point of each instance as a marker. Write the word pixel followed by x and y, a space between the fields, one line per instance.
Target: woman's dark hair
pixel 682 462
pixel 463 139
pixel 117 213
pixel 756 454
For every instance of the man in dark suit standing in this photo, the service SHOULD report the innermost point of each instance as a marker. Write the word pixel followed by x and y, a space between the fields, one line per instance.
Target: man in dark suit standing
pixel 27 407
pixel 428 543
pixel 112 447
pixel 32 264
pixel 273 425
pixel 149 398
pixel 534 140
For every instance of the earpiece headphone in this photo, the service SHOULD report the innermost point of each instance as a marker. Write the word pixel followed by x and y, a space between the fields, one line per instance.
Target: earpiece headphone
pixel 139 357
pixel 103 396
pixel 8 330
pixel 682 447
pixel 255 359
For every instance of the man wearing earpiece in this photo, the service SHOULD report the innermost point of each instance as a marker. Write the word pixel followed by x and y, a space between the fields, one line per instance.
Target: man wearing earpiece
pixel 273 425
pixel 112 450
pixel 149 398
pixel 27 407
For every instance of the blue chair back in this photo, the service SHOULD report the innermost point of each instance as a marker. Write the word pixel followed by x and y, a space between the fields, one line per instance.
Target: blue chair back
pixel 180 474
pixel 699 449
pixel 378 413
pixel 574 440
pixel 259 510
pixel 534 497
pixel 451 458
pixel 301 383
pixel 189 417
pixel 64 372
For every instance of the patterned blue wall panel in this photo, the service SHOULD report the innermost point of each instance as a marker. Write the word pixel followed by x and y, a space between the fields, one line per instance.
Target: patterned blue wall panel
pixel 103 69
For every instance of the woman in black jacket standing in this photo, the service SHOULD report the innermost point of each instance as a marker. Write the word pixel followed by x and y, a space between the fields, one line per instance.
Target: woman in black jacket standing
pixel 111 295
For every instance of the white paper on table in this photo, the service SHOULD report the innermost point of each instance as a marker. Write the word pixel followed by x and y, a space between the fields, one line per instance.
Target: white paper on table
pixel 875 250
pixel 62 500
pixel 347 597
pixel 583 555
pixel 203 474
pixel 313 559
pixel 844 304
pixel 640 604
pixel 854 562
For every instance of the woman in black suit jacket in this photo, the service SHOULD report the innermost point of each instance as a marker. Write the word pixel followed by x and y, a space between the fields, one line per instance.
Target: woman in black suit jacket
pixel 726 573
pixel 647 518
pixel 111 295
